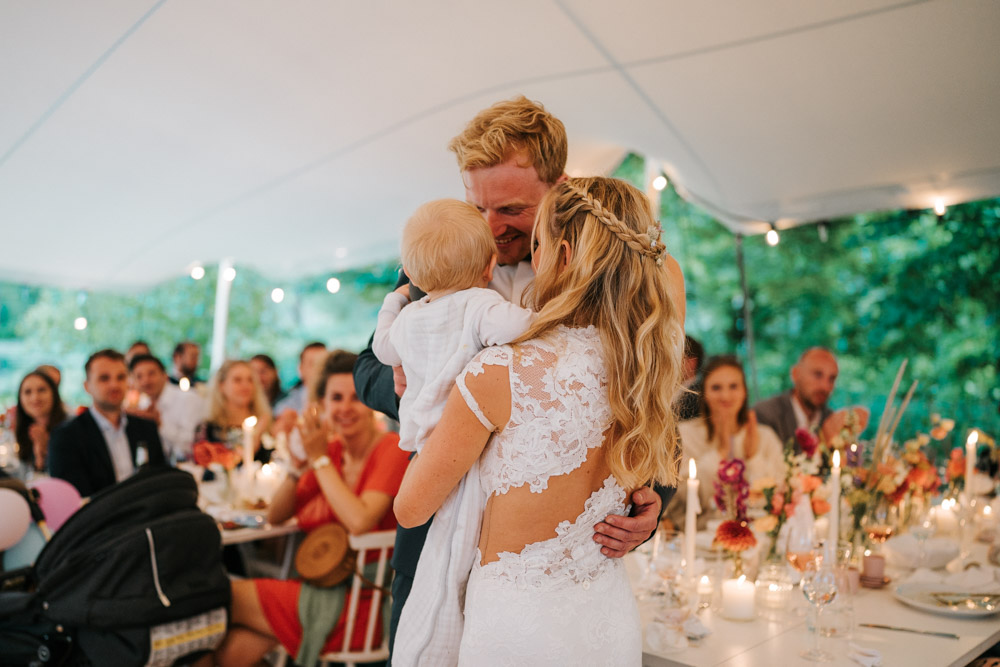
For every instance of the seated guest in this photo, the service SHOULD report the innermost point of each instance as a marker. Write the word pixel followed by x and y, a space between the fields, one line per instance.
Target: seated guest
pixel 267 373
pixel 176 413
pixel 727 429
pixel 185 360
pixel 103 445
pixel 354 472
pixel 234 395
pixel 805 404
pixel 687 402
pixel 52 371
pixel 310 365
pixel 134 350
pixel 39 411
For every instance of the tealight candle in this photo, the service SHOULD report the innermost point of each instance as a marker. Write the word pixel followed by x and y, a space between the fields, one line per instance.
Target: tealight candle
pixel 947 520
pixel 704 585
pixel 738 599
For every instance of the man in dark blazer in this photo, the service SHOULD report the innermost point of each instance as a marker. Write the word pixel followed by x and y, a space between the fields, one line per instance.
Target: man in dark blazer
pixel 805 405
pixel 103 446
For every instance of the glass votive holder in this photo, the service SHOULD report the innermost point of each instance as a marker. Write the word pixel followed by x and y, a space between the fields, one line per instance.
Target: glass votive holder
pixel 773 588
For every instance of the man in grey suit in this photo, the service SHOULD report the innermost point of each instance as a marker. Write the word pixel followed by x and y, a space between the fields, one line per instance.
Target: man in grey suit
pixel 805 405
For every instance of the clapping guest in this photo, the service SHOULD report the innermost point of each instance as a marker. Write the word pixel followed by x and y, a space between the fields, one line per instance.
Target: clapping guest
pixel 726 429
pixel 267 374
pixel 39 410
pixel 234 395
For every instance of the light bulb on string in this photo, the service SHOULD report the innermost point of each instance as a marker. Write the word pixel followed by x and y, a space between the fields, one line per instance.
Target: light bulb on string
pixel 660 182
pixel 333 285
pixel 772 236
pixel 198 272
pixel 229 274
pixel 939 207
pixel 277 295
pixel 80 323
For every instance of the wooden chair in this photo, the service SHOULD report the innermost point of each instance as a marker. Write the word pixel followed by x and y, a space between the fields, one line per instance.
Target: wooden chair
pixel 382 542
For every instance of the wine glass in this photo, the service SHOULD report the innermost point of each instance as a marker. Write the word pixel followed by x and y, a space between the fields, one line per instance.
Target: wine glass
pixel 801 545
pixel 819 586
pixel 922 529
pixel 880 524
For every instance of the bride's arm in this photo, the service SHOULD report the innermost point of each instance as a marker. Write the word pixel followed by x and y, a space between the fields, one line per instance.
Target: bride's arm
pixel 453 446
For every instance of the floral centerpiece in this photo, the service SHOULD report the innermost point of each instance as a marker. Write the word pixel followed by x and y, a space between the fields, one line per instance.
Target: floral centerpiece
pixel 731 494
pixel 207 453
pixel 781 496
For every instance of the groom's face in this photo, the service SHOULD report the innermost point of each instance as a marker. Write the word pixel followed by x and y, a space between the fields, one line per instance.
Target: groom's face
pixel 507 195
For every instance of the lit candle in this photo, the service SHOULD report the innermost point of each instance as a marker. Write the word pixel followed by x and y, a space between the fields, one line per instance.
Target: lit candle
pixel 737 599
pixel 704 585
pixel 970 463
pixel 248 440
pixel 947 520
pixel 267 481
pixel 834 534
pixel 690 517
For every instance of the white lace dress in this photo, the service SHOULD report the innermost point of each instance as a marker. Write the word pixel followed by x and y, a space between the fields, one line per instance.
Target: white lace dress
pixel 559 601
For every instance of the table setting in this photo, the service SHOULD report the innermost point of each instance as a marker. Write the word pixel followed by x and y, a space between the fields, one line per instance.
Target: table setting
pixel 865 553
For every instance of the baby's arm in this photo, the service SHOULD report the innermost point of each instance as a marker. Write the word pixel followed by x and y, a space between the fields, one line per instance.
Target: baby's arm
pixel 383 348
pixel 501 321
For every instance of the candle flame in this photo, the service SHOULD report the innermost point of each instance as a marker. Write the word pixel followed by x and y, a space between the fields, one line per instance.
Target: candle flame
pixel 184 384
pixel 250 422
pixel 742 578
pixel 692 469
pixel 973 438
pixel 836 459
pixel 987 510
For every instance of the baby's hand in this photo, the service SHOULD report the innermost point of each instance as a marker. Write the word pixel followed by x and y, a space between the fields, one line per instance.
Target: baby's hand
pixel 404 290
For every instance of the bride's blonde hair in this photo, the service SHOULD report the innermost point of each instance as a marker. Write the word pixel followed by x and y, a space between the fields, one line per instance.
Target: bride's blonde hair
pixel 615 280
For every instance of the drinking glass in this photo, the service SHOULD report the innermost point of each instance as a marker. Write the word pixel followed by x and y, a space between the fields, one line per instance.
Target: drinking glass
pixel 922 529
pixel 819 586
pixel 801 546
pixel 880 524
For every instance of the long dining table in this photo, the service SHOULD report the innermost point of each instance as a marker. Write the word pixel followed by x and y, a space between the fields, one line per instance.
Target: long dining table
pixel 777 639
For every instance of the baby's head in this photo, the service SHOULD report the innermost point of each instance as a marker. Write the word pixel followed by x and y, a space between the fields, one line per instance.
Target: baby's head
pixel 447 245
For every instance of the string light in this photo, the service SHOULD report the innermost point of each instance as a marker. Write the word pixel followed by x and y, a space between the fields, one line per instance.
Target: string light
pixel 939 207
pixel 660 182
pixel 277 295
pixel 198 272
pixel 229 274
pixel 333 285
pixel 772 236
pixel 80 323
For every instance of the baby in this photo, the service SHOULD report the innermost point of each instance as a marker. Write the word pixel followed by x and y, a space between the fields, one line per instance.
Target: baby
pixel 448 252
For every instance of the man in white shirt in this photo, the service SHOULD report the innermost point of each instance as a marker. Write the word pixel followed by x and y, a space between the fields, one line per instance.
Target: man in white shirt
pixel 177 413
pixel 102 446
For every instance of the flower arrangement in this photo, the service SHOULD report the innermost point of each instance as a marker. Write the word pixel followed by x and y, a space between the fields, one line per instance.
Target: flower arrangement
pixel 731 494
pixel 206 453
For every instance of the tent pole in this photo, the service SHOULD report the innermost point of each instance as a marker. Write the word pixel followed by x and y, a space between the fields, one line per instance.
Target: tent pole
pixel 747 321
pixel 223 285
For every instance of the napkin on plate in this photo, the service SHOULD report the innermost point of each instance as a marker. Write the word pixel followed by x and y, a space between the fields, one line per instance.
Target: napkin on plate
pixel 904 551
pixel 868 657
pixel 673 629
pixel 973 580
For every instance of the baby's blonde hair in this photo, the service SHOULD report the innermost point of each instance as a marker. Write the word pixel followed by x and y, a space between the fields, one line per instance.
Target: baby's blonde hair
pixel 446 245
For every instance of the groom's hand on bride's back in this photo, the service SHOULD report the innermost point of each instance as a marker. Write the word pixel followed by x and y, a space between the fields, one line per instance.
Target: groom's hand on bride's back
pixel 620 534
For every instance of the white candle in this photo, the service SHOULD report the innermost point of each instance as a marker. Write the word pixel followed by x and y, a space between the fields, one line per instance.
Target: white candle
pixel 704 585
pixel 834 533
pixel 690 517
pixel 268 481
pixel 248 441
pixel 970 463
pixel 947 521
pixel 737 599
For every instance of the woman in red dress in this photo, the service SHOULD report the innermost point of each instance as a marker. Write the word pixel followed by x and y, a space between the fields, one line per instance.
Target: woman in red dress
pixel 350 478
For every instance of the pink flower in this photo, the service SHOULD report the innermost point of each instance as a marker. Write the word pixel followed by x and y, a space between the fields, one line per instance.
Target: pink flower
pixel 731 471
pixel 807 442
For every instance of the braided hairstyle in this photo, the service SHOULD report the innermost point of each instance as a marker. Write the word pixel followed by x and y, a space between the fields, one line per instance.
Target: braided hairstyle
pixel 601 263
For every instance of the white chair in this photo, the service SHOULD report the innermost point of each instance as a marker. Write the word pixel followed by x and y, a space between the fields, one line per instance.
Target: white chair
pixel 381 541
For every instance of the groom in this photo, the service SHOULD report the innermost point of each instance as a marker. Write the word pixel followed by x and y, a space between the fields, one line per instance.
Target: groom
pixel 509 155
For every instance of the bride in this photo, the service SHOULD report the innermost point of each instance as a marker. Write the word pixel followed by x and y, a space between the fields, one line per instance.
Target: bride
pixel 565 424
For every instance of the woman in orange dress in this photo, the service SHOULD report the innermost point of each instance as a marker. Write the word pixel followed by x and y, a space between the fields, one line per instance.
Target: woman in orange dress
pixel 350 478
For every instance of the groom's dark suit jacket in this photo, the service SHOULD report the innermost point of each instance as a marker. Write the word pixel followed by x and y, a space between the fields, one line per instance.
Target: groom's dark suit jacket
pixel 79 454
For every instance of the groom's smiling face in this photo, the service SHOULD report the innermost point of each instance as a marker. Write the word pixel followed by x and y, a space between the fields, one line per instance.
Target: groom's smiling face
pixel 507 195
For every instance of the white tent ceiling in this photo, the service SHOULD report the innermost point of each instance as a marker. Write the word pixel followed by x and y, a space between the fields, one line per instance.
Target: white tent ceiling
pixel 139 137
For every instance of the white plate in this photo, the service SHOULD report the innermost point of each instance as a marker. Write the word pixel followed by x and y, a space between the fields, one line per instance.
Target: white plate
pixel 921 596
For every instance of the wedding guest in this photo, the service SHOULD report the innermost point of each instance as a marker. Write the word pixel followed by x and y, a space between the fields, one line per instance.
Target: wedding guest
pixel 134 350
pixel 185 363
pixel 726 429
pixel 267 374
pixel 103 445
pixel 805 405
pixel 353 473
pixel 39 410
pixel 234 395
pixel 176 413
pixel 52 371
pixel 687 402
pixel 310 365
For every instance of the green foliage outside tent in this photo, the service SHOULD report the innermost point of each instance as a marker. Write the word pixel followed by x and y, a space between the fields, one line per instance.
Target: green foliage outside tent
pixel 883 286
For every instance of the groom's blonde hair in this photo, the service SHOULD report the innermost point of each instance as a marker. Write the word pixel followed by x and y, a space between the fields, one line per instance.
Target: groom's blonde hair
pixel 614 279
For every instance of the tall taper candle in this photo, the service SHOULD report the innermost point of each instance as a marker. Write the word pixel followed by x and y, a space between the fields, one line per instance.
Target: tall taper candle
pixel 690 517
pixel 970 464
pixel 833 534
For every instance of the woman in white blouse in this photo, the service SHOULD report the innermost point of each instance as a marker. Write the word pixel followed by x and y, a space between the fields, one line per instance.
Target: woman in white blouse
pixel 727 429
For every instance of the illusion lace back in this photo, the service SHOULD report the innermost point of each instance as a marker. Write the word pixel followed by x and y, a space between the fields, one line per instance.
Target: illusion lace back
pixel 559 600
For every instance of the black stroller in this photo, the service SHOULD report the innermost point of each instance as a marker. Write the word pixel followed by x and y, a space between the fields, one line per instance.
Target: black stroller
pixel 135 577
